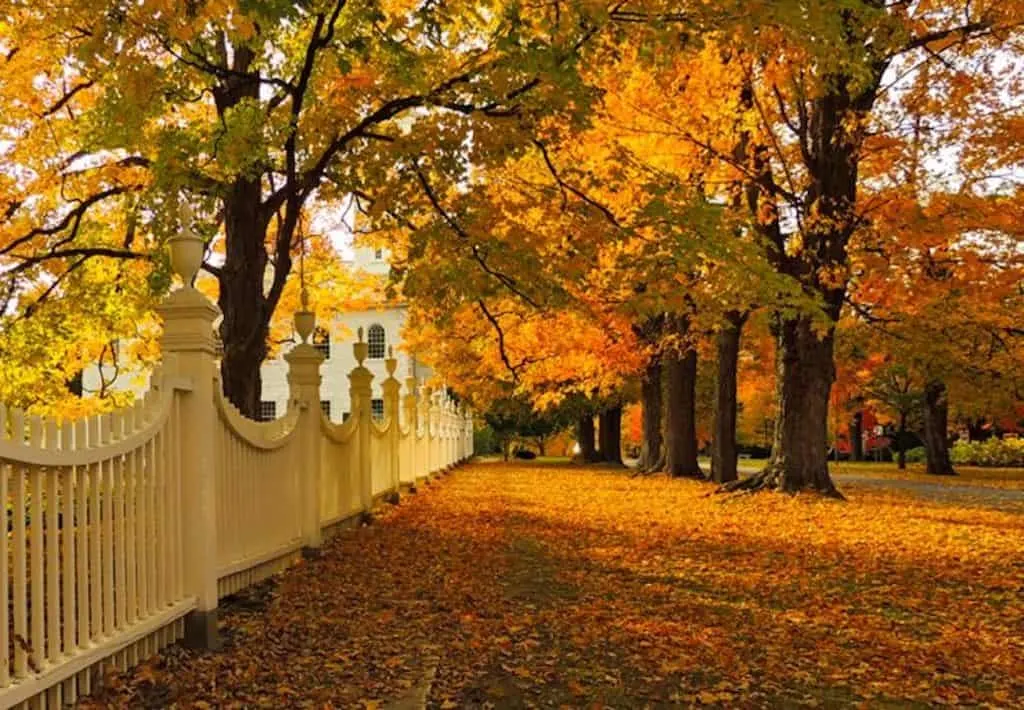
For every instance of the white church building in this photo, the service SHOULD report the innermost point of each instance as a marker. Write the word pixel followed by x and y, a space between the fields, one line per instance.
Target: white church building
pixel 382 329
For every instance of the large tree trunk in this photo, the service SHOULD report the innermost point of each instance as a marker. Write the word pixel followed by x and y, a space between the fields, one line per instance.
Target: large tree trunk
pixel 610 434
pixel 651 401
pixel 246 324
pixel 936 426
pixel 806 372
pixel 681 415
pixel 246 306
pixel 857 436
pixel 585 438
pixel 723 439
pixel 833 131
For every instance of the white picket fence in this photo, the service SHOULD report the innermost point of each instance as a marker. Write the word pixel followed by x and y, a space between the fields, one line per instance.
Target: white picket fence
pixel 124 530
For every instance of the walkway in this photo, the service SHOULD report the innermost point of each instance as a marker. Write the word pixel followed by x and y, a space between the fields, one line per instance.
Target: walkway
pixel 506 586
pixel 957 490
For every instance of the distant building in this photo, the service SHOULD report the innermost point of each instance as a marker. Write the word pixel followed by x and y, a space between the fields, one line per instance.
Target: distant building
pixel 382 329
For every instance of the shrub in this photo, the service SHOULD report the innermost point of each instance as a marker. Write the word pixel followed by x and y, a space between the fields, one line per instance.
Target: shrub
pixel 994 452
pixel 485 441
pixel 916 455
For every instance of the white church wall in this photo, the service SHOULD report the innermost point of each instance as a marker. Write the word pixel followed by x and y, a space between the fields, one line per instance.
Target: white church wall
pixel 340 362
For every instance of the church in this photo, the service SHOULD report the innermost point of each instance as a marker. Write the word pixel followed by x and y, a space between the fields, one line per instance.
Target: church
pixel 382 329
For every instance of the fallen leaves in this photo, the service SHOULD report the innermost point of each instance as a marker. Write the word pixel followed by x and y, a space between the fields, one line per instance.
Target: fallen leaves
pixel 568 587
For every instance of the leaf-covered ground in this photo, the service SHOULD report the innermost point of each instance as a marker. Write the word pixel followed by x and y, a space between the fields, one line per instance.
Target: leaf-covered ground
pixel 511 586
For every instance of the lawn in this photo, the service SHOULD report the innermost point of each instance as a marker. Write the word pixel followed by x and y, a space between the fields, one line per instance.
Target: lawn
pixel 517 585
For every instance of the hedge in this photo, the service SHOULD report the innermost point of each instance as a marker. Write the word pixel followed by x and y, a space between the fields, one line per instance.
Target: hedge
pixel 994 452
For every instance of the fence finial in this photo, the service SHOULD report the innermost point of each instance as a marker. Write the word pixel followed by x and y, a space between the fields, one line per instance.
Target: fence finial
pixel 305 322
pixel 187 247
pixel 360 348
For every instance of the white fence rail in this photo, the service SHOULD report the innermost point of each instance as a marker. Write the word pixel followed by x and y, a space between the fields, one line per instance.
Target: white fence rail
pixel 124 530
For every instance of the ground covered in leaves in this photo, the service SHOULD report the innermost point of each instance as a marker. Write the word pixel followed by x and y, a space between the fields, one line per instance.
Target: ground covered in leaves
pixel 514 586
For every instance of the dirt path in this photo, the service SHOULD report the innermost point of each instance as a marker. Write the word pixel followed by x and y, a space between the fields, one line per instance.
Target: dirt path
pixel 507 586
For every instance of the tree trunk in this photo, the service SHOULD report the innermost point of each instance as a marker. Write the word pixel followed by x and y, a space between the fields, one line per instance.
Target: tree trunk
pixel 246 323
pixel 936 426
pixel 806 373
pixel 610 434
pixel 651 400
pixel 585 438
pixel 976 430
pixel 901 454
pixel 857 436
pixel 723 439
pixel 244 302
pixel 681 415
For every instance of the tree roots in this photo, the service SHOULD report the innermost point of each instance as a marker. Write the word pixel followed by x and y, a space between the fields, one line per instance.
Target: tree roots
pixel 771 478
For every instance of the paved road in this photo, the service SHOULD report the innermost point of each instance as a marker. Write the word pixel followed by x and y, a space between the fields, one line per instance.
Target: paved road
pixel 980 495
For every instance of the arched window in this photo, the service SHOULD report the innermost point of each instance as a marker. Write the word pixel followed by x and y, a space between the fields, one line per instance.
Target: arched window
pixel 375 342
pixel 322 341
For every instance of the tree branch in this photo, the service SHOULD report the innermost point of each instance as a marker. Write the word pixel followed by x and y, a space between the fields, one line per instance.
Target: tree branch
pixel 507 281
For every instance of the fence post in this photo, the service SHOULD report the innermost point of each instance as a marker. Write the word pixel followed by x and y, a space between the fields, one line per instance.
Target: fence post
pixel 449 430
pixel 390 386
pixel 435 424
pixel 188 319
pixel 468 433
pixel 446 430
pixel 427 417
pixel 304 379
pixel 410 404
pixel 360 393
pixel 460 432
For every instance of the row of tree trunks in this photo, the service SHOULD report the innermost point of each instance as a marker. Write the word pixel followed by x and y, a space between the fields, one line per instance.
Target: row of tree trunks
pixel 606 446
pixel 805 374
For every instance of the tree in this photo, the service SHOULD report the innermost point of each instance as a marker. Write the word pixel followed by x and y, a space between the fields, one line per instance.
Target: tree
pixel 257 113
pixel 680 417
pixel 651 454
pixel 809 163
pixel 724 453
pixel 629 196
pixel 894 388
pixel 610 434
pixel 514 418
